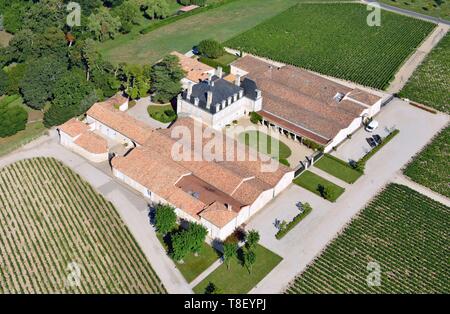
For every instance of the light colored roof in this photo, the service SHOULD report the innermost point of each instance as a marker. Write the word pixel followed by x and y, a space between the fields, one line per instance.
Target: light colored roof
pixel 218 214
pixel 305 99
pixel 106 113
pixel 93 143
pixel 195 70
pixel 73 127
pixel 188 8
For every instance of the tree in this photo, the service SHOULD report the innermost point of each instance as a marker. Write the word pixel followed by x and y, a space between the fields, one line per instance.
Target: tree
pixel 211 48
pixel 4 82
pixel 165 218
pixel 70 93
pixel 12 119
pixel 211 288
pixel 103 25
pixel 155 9
pixel 196 237
pixel 40 79
pixel 325 191
pixel 180 245
pixel 135 80
pixel 229 252
pixel 44 14
pixel 252 239
pixel 165 79
pixel 128 13
pixel 249 260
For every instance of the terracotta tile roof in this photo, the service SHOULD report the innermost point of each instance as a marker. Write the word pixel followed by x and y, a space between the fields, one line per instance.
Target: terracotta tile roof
pixel 195 70
pixel 120 121
pixel 74 127
pixel 218 214
pixel 230 78
pixel 237 183
pixel 305 99
pixel 93 143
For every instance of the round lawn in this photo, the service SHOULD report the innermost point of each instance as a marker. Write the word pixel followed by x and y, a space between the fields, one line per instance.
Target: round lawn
pixel 264 143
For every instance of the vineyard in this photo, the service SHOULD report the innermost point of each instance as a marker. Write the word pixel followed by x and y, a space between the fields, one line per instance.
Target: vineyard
pixel 57 235
pixel 429 83
pixel 402 231
pixel 334 39
pixel 431 166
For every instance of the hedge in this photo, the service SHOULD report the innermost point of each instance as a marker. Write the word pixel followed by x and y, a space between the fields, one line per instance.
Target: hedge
pixel 214 63
pixel 282 232
pixel 386 140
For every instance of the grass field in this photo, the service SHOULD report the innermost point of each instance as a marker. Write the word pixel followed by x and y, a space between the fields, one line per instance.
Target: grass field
pixel 338 168
pixel 429 84
pixel 265 143
pixel 404 232
pixel 427 7
pixel 431 167
pixel 311 182
pixel 50 218
pixel 237 279
pixel 192 265
pixel 334 39
pixel 220 23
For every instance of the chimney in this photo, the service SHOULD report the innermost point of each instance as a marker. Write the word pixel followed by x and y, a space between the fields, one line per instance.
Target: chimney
pixel 196 101
pixel 219 71
pixel 237 81
pixel 209 97
pixel 258 93
pixel 189 91
pixel 241 93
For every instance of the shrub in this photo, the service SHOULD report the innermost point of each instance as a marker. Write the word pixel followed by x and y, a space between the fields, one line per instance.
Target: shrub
pixel 211 48
pixel 311 144
pixel 325 192
pixel 12 119
pixel 165 218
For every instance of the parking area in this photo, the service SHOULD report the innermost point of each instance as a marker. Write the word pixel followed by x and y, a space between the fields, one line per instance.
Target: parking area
pixel 395 115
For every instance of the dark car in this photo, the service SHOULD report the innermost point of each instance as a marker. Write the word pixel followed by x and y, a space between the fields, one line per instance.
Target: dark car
pixel 195 50
pixel 371 142
pixel 377 138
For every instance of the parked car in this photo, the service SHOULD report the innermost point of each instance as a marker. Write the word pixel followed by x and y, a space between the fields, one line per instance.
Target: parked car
pixel 377 138
pixel 372 126
pixel 371 142
pixel 195 50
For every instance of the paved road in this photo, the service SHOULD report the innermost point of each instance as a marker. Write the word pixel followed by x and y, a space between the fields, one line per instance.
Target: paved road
pixel 132 207
pixel 306 241
pixel 409 13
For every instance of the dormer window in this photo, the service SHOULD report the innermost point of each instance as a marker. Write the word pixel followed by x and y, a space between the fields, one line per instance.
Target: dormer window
pixel 338 97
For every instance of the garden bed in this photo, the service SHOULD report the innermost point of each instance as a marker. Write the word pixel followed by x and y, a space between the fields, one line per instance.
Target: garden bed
pixel 312 182
pixel 162 113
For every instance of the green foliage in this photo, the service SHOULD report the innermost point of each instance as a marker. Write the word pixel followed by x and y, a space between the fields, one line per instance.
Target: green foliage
pixel 128 13
pixel 196 234
pixel 165 79
pixel 15 75
pixel 403 231
pixel 13 14
pixel 339 168
pixel 311 144
pixel 41 76
pixel 70 95
pixel 214 63
pixel 135 80
pixel 4 82
pixel 255 117
pixel 44 14
pixel 286 227
pixel 334 39
pixel 165 218
pixel 318 185
pixel 12 119
pixel 194 2
pixel 163 114
pixel 229 252
pixel 211 48
pixel 155 9
pixel 431 166
pixel 180 245
pixel 249 259
pixel 326 192
pixel 252 239
pixel 103 25
pixel 385 140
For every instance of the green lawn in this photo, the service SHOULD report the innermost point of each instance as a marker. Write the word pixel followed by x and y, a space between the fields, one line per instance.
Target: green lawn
pixel 429 84
pixel 334 39
pixel 311 182
pixel 33 130
pixel 220 23
pixel 431 167
pixel 237 280
pixel 265 143
pixel 194 265
pixel 338 168
pixel 405 233
pixel 427 7
pixel 162 113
